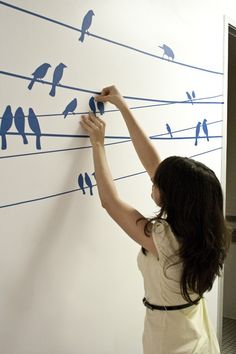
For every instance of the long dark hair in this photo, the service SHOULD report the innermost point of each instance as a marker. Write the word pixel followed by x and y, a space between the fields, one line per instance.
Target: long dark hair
pixel 192 204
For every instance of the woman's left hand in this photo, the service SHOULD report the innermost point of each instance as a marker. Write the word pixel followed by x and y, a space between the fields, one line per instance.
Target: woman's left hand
pixel 95 127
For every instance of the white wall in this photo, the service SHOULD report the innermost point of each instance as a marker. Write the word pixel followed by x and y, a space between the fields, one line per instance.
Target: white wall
pixel 68 276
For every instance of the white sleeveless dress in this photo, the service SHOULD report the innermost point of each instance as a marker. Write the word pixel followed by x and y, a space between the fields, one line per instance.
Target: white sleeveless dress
pixel 186 331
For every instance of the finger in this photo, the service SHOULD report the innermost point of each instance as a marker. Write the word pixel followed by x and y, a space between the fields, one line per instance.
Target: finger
pixel 89 122
pixel 101 121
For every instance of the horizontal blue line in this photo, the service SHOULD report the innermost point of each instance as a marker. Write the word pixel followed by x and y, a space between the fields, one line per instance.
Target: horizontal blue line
pixel 78 189
pixel 124 138
pixel 195 101
pixel 106 39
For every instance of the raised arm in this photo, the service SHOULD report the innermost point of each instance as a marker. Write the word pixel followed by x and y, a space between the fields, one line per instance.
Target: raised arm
pixel 147 154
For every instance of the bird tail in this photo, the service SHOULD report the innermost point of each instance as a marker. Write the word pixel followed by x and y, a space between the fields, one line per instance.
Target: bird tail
pixel 81 38
pixel 53 91
pixel 38 144
pixel 4 142
pixel 31 84
pixel 25 140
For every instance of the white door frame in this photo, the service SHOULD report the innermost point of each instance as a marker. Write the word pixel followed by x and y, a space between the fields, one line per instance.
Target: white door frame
pixel 227 22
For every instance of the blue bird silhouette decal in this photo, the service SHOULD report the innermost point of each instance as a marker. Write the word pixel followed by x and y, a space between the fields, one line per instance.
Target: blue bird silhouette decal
pixel 34 126
pixel 189 97
pixel 89 183
pixel 167 51
pixel 205 129
pixel 87 21
pixel 70 108
pixel 169 130
pixel 92 105
pixel 193 94
pixel 39 73
pixel 19 119
pixel 197 132
pixel 81 182
pixel 7 119
pixel 57 75
pixel 100 106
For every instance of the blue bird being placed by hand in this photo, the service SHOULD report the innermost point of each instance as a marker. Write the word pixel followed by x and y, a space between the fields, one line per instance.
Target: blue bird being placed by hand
pixel 34 126
pixel 57 75
pixel 39 73
pixel 19 119
pixel 87 21
pixel 6 124
pixel 70 108
pixel 167 51
pixel 89 183
pixel 100 106
pixel 92 105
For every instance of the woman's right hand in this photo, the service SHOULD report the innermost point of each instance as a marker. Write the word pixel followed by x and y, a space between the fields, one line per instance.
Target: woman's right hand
pixel 112 95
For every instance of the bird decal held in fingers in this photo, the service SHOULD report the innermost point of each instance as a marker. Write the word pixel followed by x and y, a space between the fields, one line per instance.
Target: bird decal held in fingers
pixel 197 132
pixel 89 183
pixel 70 108
pixel 87 21
pixel 167 51
pixel 100 106
pixel 39 73
pixel 57 75
pixel 34 126
pixel 19 119
pixel 92 105
pixel 205 129
pixel 81 182
pixel 7 119
pixel 169 130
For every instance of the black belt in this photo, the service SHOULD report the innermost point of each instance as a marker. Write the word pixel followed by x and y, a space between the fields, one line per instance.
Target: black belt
pixel 168 308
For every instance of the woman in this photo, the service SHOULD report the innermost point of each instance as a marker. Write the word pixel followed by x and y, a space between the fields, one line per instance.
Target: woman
pixel 183 247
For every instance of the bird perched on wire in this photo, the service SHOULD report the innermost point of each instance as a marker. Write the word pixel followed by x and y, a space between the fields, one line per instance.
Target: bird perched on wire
pixel 205 129
pixel 70 108
pixel 39 73
pixel 169 130
pixel 167 51
pixel 197 132
pixel 19 119
pixel 57 75
pixel 89 183
pixel 34 126
pixel 6 124
pixel 81 182
pixel 87 21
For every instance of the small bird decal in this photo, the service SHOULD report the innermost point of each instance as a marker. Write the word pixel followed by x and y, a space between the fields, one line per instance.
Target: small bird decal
pixel 57 75
pixel 167 51
pixel 169 130
pixel 190 97
pixel 81 182
pixel 197 132
pixel 70 108
pixel 89 183
pixel 92 105
pixel 87 21
pixel 39 73
pixel 205 129
pixel 19 119
pixel 34 126
pixel 100 106
pixel 7 119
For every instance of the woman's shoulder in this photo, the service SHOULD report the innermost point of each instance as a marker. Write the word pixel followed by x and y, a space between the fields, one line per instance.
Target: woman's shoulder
pixel 163 235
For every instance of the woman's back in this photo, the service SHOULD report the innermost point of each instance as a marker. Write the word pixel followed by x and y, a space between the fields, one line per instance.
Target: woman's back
pixel 172 332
